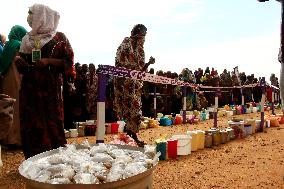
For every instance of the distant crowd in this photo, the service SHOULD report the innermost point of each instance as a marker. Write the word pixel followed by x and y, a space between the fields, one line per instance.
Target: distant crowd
pixel 169 97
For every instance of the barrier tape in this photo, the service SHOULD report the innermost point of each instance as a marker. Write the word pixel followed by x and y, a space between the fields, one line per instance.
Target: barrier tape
pixel 143 76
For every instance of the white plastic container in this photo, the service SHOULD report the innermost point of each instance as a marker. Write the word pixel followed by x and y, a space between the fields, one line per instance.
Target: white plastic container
pixel 183 145
pixel 121 126
pixel 254 109
pixel 73 133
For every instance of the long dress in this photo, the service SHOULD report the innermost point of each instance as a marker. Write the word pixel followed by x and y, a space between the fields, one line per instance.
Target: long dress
pixel 127 103
pixel 41 99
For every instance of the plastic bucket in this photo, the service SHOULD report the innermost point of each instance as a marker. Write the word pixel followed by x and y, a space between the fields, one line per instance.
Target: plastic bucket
pixel 183 145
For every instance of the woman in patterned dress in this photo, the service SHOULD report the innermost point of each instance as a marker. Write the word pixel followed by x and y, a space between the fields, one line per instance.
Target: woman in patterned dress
pixel 43 82
pixel 127 104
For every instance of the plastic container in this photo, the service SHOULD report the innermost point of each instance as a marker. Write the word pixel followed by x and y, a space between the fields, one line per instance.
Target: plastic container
pixel 165 121
pixel 73 133
pixel 203 116
pixel 208 140
pixel 81 131
pixel 238 128
pixel 268 123
pixel 248 110
pixel 178 120
pixel 114 128
pixel 248 130
pixel 257 125
pixel 172 148
pixel 121 126
pixel 231 134
pixel 254 109
pixel 229 113
pixel 67 133
pixel 183 145
pixel 200 139
pixel 194 140
pixel 207 115
pixel 252 123
pixel 224 136
pixel 216 138
pixel 162 147
pixel 274 122
pixel 90 130
pixel 108 128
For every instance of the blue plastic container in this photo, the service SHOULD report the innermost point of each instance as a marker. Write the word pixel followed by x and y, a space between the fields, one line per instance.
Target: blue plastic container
pixel 162 147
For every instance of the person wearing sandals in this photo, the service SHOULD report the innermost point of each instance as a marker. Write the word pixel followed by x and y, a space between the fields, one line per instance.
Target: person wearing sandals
pixel 127 102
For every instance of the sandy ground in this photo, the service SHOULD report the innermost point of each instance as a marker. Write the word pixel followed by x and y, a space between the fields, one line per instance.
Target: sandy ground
pixel 254 162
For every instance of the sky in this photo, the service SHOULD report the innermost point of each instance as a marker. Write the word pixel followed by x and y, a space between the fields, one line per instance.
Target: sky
pixel 181 33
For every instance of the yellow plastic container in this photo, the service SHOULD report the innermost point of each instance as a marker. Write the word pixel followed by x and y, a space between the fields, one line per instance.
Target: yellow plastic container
pixel 194 140
pixel 200 139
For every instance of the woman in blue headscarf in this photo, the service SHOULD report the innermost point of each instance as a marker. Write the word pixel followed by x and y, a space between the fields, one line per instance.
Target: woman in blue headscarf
pixel 11 79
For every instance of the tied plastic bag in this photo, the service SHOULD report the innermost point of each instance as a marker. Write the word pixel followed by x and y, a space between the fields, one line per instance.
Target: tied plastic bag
pixel 6 115
pixel 123 139
pixel 150 150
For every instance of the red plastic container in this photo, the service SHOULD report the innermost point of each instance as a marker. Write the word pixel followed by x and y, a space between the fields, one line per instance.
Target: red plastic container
pixel 172 148
pixel 178 120
pixel 114 128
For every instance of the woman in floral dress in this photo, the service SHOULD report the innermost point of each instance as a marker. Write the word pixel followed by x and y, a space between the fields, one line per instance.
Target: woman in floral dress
pixel 130 55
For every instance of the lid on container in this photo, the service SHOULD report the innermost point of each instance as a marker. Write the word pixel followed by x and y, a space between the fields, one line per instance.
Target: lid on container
pixel 172 139
pixel 191 132
pixel 200 131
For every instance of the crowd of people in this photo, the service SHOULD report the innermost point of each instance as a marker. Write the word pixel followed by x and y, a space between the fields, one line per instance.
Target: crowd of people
pixel 37 69
pixel 169 97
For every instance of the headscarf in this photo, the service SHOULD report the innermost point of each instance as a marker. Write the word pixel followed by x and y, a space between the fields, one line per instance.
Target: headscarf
pixel 11 47
pixel 44 24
